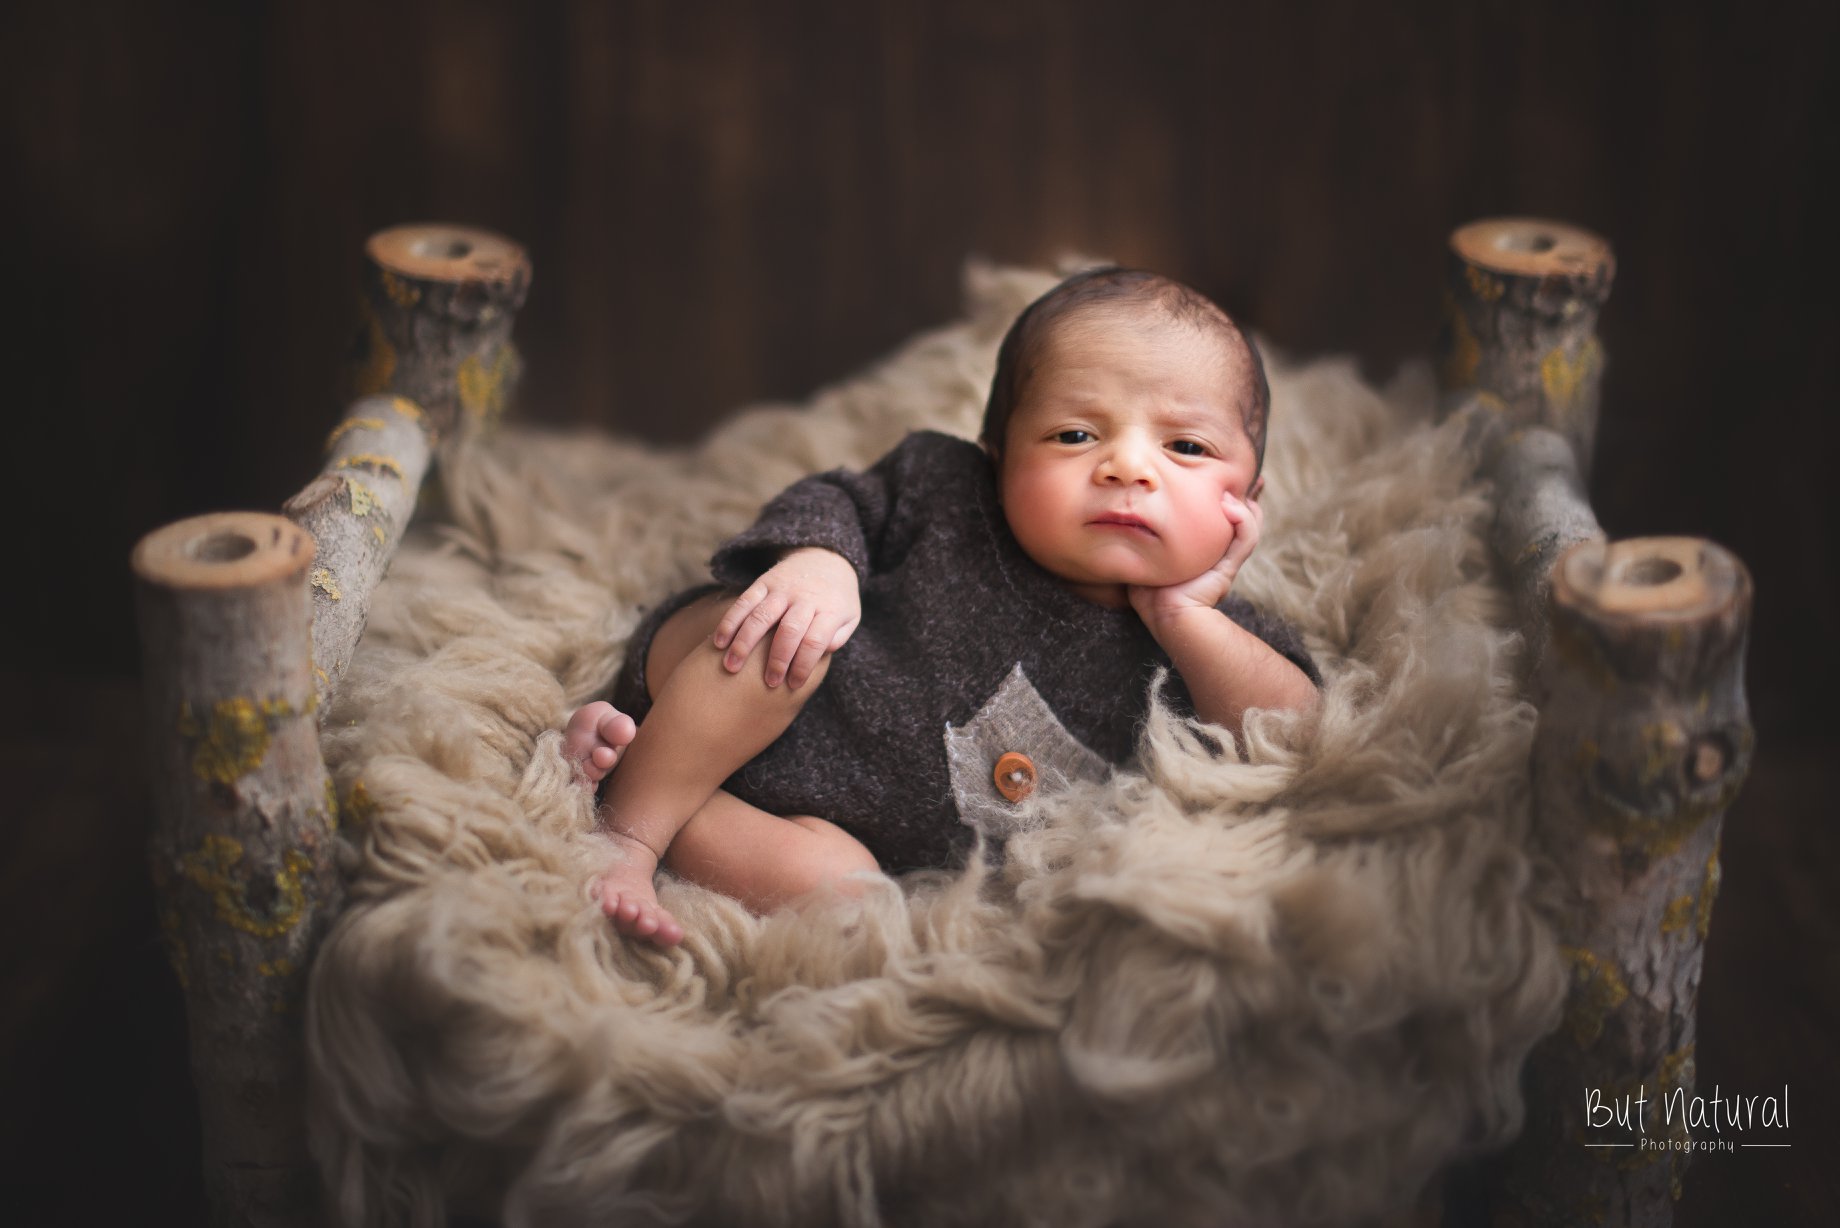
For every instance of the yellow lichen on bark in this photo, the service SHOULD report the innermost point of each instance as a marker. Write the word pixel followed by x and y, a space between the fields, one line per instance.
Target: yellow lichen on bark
pixel 1562 376
pixel 398 291
pixel 230 743
pixel 363 499
pixel 1708 892
pixel 371 460
pixel 324 582
pixel 211 869
pixel 482 388
pixel 1598 988
pixel 1484 287
pixel 349 425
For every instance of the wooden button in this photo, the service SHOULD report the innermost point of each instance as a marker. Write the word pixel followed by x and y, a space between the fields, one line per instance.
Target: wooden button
pixel 1015 775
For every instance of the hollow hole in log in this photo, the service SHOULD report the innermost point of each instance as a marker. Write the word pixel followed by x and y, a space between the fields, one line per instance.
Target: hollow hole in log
pixel 260 894
pixel 443 247
pixel 220 548
pixel 1650 571
pixel 1532 242
pixel 1706 759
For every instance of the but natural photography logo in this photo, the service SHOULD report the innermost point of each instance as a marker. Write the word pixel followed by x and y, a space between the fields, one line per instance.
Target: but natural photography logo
pixel 1682 1121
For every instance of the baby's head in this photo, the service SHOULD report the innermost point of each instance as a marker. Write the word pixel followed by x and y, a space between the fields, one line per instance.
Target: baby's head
pixel 1124 405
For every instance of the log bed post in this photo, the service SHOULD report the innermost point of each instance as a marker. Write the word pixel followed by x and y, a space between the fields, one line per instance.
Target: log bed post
pixel 1520 323
pixel 247 623
pixel 435 321
pixel 242 856
pixel 1636 665
pixel 1644 739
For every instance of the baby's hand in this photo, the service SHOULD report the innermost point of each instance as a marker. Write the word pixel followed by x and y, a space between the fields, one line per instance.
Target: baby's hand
pixel 812 596
pixel 1208 589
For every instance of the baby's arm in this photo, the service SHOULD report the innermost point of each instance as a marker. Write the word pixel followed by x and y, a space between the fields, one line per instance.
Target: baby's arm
pixel 803 561
pixel 1226 668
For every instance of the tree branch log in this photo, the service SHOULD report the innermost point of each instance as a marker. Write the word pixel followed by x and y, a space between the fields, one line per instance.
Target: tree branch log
pixel 357 510
pixel 435 322
pixel 1520 320
pixel 1541 508
pixel 1644 739
pixel 247 623
pixel 434 365
pixel 242 854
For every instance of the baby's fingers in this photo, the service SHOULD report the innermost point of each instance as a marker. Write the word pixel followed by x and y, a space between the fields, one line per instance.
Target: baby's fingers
pixel 1246 519
pixel 759 620
pixel 738 610
pixel 787 642
pixel 820 638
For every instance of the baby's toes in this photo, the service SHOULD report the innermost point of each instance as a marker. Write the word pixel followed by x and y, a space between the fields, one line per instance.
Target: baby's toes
pixel 582 732
pixel 659 926
pixel 614 727
pixel 624 912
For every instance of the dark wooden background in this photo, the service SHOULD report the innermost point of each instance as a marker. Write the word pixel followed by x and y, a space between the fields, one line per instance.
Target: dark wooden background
pixel 726 202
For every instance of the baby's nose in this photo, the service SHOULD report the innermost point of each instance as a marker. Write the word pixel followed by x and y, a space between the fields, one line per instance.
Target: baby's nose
pixel 1127 466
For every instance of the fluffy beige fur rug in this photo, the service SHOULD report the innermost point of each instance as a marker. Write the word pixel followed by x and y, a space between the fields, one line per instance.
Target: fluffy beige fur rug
pixel 1277 989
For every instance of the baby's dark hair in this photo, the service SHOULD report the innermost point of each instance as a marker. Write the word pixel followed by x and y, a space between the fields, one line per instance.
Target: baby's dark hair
pixel 1021 349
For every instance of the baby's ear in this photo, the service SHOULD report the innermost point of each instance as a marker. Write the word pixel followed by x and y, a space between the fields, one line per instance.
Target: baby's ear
pixel 1257 488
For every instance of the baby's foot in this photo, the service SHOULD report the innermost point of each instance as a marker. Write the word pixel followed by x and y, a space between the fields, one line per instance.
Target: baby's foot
pixel 628 898
pixel 593 739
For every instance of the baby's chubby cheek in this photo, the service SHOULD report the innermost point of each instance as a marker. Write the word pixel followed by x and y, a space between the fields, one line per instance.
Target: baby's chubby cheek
pixel 1196 545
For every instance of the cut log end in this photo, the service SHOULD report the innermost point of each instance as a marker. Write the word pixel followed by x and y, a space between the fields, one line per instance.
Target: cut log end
pixel 444 253
pixel 1535 247
pixel 223 550
pixel 1650 580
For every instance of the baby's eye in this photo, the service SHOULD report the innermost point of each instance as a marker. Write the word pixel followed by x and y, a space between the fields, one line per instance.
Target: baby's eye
pixel 1188 447
pixel 1074 437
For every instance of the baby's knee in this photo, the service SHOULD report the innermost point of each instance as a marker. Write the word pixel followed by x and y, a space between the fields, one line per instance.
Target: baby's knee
pixel 836 856
pixel 680 635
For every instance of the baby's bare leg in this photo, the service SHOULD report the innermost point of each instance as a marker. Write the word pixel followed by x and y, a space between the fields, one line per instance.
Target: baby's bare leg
pixel 763 860
pixel 705 722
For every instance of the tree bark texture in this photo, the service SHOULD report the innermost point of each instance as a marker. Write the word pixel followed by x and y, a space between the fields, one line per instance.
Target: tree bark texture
pixel 1644 739
pixel 356 511
pixel 1541 508
pixel 242 853
pixel 1520 321
pixel 435 323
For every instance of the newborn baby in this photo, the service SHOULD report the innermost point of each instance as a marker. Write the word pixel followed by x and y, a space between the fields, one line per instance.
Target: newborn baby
pixel 959 625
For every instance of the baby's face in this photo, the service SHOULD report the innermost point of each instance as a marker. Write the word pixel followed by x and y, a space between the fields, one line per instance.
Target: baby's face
pixel 1120 448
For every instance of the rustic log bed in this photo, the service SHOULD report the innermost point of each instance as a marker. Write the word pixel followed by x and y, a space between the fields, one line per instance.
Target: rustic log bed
pixel 249 620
